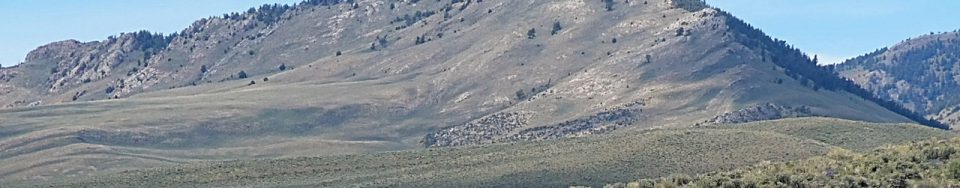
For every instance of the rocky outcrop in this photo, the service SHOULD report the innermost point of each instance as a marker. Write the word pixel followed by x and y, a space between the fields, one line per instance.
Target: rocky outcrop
pixel 482 131
pixel 60 71
pixel 501 127
pixel 599 123
pixel 77 63
pixel 762 112
pixel 131 63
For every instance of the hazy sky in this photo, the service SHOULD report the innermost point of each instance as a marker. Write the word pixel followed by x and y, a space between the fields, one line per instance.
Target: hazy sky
pixel 833 29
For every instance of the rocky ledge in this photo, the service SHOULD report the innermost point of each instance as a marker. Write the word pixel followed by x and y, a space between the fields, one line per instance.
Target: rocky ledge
pixel 762 112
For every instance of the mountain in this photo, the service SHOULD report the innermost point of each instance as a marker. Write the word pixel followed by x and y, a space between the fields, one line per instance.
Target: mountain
pixel 210 50
pixel 346 77
pixel 921 74
pixel 590 161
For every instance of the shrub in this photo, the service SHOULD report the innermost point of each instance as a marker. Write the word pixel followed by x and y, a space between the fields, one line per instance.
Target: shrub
pixel 608 4
pixel 109 89
pixel 521 95
pixel 917 164
pixel 420 40
pixel 954 169
pixel 556 28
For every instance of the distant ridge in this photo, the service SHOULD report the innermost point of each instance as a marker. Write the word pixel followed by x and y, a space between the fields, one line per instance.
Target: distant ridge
pixel 920 74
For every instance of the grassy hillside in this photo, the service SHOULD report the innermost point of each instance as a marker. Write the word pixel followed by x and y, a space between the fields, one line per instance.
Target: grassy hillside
pixel 852 135
pixel 932 163
pixel 575 161
pixel 246 123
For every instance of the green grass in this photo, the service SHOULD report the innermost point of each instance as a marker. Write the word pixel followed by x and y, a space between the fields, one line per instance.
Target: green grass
pixel 854 135
pixel 578 161
pixel 933 163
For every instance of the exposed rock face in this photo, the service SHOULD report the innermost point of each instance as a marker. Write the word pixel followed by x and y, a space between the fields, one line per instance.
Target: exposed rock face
pixel 501 127
pixel 78 63
pixel 482 131
pixel 762 112
pixel 68 70
pixel 603 122
pixel 210 50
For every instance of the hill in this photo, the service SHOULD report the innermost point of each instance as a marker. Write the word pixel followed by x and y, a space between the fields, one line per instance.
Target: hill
pixel 347 77
pixel 572 161
pixel 920 74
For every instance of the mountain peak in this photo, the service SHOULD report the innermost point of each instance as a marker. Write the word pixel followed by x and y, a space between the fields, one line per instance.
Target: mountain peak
pixel 53 49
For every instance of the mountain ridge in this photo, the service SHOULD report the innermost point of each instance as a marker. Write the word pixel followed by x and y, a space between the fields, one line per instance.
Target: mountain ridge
pixel 369 76
pixel 919 73
pixel 137 79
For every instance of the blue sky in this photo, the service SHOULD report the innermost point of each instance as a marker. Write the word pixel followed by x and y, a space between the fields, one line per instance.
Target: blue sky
pixel 836 30
pixel 833 29
pixel 27 24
